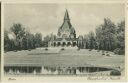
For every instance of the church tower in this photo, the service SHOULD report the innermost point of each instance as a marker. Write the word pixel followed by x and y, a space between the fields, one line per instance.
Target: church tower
pixel 66 30
pixel 66 36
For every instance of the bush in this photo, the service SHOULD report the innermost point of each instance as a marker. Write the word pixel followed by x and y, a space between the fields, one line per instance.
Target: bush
pixel 119 51
pixel 115 73
pixel 62 49
pixel 78 49
pixel 90 49
pixel 103 54
pixel 98 50
pixel 107 54
pixel 29 49
pixel 46 48
pixel 14 50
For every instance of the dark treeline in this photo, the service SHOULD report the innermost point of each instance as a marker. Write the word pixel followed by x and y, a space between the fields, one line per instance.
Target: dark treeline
pixel 107 36
pixel 17 38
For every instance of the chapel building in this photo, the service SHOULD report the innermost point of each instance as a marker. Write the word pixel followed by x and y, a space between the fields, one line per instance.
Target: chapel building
pixel 66 36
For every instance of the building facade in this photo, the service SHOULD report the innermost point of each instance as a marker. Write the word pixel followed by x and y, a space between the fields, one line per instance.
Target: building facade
pixel 66 35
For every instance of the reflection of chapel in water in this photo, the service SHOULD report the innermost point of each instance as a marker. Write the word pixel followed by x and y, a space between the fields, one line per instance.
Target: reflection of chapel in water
pixel 66 34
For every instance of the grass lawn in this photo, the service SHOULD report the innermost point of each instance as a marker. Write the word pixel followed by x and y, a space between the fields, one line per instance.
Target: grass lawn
pixel 67 57
pixel 64 58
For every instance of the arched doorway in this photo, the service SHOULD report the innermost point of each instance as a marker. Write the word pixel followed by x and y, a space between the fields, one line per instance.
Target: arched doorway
pixel 63 44
pixel 58 44
pixel 74 43
pixel 69 43
pixel 54 44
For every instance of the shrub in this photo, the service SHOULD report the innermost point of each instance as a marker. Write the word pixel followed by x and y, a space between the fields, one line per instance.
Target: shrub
pixel 62 49
pixel 46 48
pixel 29 49
pixel 119 51
pixel 107 54
pixel 115 73
pixel 15 50
pixel 98 50
pixel 78 49
pixel 90 49
pixel 103 54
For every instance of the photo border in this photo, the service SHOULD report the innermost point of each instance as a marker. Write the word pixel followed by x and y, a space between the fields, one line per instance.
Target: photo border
pixel 60 78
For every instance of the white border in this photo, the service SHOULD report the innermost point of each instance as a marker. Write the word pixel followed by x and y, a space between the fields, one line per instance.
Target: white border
pixel 62 78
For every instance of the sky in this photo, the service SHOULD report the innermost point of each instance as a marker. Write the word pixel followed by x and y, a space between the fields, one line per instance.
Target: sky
pixel 47 18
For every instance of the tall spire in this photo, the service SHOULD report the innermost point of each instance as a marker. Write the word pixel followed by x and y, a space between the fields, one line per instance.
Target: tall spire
pixel 66 30
pixel 66 17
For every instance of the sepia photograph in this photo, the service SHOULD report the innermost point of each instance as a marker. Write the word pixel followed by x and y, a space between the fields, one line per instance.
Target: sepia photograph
pixel 67 39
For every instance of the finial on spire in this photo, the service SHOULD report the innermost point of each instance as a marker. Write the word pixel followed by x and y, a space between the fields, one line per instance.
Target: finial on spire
pixel 66 17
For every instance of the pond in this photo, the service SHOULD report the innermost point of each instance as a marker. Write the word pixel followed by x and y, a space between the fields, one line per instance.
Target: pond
pixel 47 70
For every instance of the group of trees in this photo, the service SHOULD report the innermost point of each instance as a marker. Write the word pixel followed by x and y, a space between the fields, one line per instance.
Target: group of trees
pixel 17 38
pixel 48 38
pixel 107 36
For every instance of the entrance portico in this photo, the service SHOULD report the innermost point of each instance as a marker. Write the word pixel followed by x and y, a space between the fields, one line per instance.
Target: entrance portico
pixel 64 43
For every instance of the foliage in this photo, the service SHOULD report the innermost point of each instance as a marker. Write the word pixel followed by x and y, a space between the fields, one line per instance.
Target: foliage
pixel 119 51
pixel 62 49
pixel 108 36
pixel 46 48
pixel 48 38
pixel 115 73
pixel 21 39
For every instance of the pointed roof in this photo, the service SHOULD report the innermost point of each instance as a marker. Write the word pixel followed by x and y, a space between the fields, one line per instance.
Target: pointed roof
pixel 66 25
pixel 66 17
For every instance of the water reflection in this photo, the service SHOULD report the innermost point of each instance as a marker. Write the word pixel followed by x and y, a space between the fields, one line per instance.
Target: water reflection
pixel 52 70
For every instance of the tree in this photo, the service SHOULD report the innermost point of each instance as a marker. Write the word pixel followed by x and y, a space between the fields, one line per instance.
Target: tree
pixel 99 37
pixel 80 41
pixel 106 35
pixel 6 40
pixel 85 42
pixel 109 33
pixel 38 40
pixel 19 32
pixel 47 39
pixel 28 41
pixel 120 38
pixel 23 40
pixel 91 40
pixel 121 35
